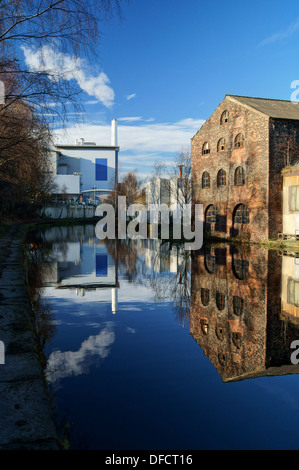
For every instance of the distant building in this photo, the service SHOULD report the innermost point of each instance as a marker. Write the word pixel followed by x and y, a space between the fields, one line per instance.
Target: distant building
pixel 237 159
pixel 162 191
pixel 86 170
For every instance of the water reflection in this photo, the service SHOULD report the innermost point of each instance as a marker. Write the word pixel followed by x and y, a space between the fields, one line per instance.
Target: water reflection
pixel 244 310
pixel 242 306
pixel 111 314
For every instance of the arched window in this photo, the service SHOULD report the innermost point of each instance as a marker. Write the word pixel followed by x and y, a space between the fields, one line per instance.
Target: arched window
pixel 221 145
pixel 239 176
pixel 240 268
pixel 205 296
pixel 237 339
pixel 206 183
pixel 238 305
pixel 210 263
pixel 224 117
pixel 241 215
pixel 221 178
pixel 239 141
pixel 204 325
pixel 205 148
pixel 220 301
pixel 219 332
pixel 210 214
pixel 222 358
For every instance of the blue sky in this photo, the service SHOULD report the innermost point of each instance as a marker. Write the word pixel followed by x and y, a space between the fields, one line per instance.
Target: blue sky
pixel 166 66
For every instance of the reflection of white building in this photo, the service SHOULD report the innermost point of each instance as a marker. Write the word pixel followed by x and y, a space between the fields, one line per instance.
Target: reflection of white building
pixel 290 287
pixel 85 168
pixel 82 265
pixel 160 258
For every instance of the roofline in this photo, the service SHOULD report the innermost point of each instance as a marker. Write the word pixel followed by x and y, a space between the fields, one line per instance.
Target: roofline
pixel 105 147
pixel 234 98
pixel 257 98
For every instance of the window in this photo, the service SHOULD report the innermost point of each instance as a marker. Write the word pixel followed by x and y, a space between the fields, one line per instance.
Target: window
pixel 211 214
pixel 241 215
pixel 206 183
pixel 101 169
pixel 205 148
pixel 294 198
pixel 239 176
pixel 204 325
pixel 220 301
pixel 210 263
pixel 221 178
pixel 221 145
pixel 224 117
pixel 101 265
pixel 238 305
pixel 219 332
pixel 205 297
pixel 237 339
pixel 293 292
pixel 222 358
pixel 239 141
pixel 240 268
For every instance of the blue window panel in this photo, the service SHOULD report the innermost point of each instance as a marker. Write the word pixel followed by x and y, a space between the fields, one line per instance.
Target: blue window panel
pixel 101 265
pixel 101 169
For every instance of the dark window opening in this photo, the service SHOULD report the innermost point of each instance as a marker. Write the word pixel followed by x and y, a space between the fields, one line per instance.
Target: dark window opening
pixel 205 148
pixel 205 296
pixel 224 117
pixel 221 178
pixel 239 141
pixel 204 325
pixel 240 268
pixel 220 301
pixel 238 305
pixel 241 215
pixel 237 339
pixel 206 180
pixel 221 145
pixel 239 176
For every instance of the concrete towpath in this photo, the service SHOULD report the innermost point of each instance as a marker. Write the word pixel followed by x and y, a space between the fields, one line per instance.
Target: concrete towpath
pixel 25 405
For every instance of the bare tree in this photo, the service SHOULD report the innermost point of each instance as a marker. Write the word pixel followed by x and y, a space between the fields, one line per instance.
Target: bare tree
pixel 180 178
pixel 70 26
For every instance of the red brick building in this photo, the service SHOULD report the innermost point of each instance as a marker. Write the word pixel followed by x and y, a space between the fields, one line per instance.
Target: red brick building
pixel 237 158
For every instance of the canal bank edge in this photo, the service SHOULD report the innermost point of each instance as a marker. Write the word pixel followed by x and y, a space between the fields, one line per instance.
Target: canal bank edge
pixel 25 405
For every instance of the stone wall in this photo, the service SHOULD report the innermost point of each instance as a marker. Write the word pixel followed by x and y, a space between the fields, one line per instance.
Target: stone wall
pixel 252 157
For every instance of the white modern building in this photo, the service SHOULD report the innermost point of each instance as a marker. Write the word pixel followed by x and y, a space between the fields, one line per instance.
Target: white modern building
pixel 86 170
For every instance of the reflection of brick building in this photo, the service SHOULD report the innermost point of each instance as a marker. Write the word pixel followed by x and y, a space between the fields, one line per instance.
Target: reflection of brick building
pixel 235 312
pixel 237 158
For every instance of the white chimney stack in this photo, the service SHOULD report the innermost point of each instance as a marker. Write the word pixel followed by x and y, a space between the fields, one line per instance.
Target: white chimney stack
pixel 114 133
pixel 114 296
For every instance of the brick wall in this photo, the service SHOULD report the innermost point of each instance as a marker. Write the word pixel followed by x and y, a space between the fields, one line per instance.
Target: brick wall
pixel 253 157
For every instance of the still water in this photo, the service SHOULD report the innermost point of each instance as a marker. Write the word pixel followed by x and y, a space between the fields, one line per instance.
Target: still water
pixel 151 348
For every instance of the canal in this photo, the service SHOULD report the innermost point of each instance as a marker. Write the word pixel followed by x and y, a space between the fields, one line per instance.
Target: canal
pixel 151 347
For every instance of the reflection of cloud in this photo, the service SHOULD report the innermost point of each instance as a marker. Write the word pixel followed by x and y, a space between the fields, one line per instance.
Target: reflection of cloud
pixel 69 363
pixel 131 330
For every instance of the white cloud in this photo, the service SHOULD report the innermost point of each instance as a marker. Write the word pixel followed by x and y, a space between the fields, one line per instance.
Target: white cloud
pixel 138 139
pixel 129 97
pixel 284 34
pixel 59 65
pixel 130 119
